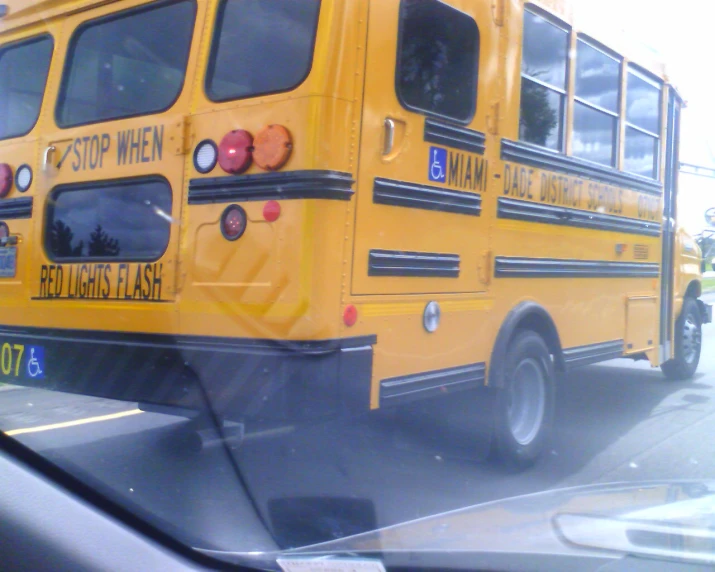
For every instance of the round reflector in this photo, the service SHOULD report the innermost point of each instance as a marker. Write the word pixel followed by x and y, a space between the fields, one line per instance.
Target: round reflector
pixel 205 156
pixel 4 230
pixel 273 146
pixel 233 222
pixel 431 317
pixel 23 178
pixel 271 211
pixel 5 179
pixel 350 315
pixel 234 151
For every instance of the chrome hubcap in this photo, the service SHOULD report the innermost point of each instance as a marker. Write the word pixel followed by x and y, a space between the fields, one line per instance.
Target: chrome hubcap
pixel 527 401
pixel 691 340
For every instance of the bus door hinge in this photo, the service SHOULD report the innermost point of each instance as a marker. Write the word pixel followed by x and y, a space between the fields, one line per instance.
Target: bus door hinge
pixel 498 10
pixel 493 119
pixel 485 268
pixel 180 136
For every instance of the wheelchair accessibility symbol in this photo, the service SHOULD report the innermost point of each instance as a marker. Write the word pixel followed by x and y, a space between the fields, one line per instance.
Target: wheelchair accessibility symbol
pixel 35 361
pixel 437 164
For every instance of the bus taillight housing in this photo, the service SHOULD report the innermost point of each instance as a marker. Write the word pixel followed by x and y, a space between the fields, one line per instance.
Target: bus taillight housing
pixel 235 152
pixel 5 179
pixel 233 222
pixel 272 147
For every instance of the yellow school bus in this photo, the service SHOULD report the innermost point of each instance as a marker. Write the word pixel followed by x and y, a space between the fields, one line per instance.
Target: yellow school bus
pixel 275 211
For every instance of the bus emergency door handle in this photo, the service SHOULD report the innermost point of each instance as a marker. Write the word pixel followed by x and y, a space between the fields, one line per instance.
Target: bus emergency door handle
pixel 389 142
pixel 48 155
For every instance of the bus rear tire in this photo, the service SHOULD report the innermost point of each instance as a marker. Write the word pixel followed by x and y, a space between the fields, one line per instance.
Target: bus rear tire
pixel 525 403
pixel 688 343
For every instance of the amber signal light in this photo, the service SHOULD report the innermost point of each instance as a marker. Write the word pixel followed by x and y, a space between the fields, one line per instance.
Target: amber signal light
pixel 272 147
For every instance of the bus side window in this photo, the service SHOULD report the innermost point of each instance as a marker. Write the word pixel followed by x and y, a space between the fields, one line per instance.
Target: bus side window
pixel 543 82
pixel 642 142
pixel 437 60
pixel 596 115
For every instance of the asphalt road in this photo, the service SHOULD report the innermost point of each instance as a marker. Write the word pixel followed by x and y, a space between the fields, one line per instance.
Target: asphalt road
pixel 617 421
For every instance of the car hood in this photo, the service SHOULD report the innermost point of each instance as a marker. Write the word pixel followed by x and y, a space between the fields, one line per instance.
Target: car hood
pixel 589 521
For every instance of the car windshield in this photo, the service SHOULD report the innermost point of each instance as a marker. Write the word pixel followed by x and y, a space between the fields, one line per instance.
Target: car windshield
pixel 378 284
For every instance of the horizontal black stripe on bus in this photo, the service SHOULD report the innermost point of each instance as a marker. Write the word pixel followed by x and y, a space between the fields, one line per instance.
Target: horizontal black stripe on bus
pixel 333 185
pixel 453 136
pixel 21 207
pixel 516 209
pixel 417 264
pixel 188 342
pixel 396 390
pixel 526 154
pixel 593 353
pixel 518 267
pixel 412 195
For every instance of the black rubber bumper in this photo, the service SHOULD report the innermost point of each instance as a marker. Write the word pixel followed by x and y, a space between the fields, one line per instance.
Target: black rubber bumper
pixel 706 312
pixel 235 378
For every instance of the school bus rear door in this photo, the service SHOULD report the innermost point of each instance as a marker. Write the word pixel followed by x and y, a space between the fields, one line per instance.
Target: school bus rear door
pixel 111 179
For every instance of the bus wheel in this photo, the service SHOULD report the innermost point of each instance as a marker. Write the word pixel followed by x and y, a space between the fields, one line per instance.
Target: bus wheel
pixel 688 342
pixel 525 403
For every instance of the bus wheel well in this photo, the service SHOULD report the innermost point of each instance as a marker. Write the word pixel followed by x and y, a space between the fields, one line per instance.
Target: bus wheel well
pixel 526 316
pixel 694 290
pixel 546 329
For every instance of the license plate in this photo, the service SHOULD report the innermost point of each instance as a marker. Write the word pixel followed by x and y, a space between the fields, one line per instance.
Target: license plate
pixel 22 361
pixel 8 262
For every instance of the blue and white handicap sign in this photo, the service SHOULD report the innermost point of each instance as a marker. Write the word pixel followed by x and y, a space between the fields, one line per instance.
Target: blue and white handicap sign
pixel 437 164
pixel 35 361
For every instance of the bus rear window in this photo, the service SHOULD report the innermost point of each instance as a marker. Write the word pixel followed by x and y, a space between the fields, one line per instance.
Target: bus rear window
pixel 127 220
pixel 128 64
pixel 260 47
pixel 23 69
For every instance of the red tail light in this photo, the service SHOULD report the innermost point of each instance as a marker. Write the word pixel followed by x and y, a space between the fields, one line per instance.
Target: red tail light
pixel 271 211
pixel 233 222
pixel 350 315
pixel 235 151
pixel 5 179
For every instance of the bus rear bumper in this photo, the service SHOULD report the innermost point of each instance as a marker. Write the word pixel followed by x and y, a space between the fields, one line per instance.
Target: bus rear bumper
pixel 706 312
pixel 266 380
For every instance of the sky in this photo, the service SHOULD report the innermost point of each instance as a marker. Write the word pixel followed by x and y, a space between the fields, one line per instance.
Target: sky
pixel 683 34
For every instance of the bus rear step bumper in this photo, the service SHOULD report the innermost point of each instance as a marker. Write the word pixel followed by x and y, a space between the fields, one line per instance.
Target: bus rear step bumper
pixel 706 312
pixel 267 381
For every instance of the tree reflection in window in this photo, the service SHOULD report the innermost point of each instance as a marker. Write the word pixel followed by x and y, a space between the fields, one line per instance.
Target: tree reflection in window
pixel 538 117
pixel 101 244
pixel 61 237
